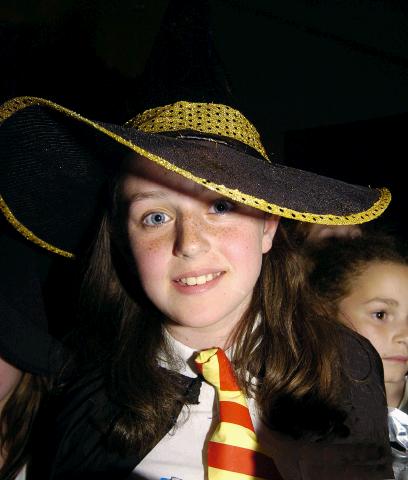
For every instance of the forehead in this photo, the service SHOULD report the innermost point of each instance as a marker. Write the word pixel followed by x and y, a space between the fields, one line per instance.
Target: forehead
pixel 139 173
pixel 385 268
pixel 389 276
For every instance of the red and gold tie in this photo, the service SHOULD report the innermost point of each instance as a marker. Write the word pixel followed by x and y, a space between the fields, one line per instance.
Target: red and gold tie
pixel 233 450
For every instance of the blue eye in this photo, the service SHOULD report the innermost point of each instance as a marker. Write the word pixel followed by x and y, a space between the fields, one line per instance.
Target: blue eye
pixel 155 219
pixel 222 206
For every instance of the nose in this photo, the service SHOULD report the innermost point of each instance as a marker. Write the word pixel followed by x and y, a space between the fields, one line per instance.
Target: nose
pixel 401 335
pixel 192 238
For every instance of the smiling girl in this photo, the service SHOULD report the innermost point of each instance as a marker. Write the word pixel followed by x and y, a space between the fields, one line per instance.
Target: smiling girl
pixel 198 255
pixel 190 256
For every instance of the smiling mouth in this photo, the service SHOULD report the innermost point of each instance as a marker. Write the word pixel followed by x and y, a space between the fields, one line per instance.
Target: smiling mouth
pixel 200 280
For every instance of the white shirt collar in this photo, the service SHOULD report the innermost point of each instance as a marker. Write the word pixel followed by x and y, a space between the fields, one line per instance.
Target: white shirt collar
pixel 184 353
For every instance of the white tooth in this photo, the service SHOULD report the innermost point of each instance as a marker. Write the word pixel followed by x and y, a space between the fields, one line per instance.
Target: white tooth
pixel 201 280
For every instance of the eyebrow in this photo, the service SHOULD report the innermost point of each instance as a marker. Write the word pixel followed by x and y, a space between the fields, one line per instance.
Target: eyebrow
pixel 139 196
pixel 202 191
pixel 388 301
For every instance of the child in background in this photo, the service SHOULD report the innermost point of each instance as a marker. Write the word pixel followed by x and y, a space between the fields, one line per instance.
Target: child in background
pixel 25 351
pixel 365 280
pixel 190 256
pixel 13 443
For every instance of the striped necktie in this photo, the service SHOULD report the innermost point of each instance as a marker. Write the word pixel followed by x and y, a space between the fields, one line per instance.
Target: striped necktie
pixel 233 450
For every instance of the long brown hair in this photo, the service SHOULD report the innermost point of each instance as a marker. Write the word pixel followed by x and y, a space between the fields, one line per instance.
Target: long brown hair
pixel 283 350
pixel 16 424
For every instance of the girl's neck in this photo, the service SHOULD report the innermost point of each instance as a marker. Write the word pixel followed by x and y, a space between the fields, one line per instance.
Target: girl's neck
pixel 200 339
pixel 395 392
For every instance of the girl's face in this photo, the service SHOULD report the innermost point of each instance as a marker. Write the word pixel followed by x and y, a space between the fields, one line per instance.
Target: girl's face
pixel 198 254
pixel 10 376
pixel 377 308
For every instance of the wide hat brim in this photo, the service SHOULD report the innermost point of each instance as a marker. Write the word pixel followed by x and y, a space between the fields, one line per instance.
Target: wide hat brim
pixel 24 338
pixel 25 345
pixel 240 175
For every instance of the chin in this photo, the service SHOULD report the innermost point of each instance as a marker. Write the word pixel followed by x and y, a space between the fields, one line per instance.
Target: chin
pixel 394 378
pixel 196 320
pixel 200 323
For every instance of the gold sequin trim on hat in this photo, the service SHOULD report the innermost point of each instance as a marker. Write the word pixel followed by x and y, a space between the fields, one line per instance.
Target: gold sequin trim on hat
pixel 12 106
pixel 28 234
pixel 210 118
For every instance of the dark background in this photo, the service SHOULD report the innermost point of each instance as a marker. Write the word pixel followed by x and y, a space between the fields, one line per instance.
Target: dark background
pixel 324 81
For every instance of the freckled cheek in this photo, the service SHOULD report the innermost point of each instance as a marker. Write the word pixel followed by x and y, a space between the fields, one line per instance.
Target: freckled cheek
pixel 243 248
pixel 150 258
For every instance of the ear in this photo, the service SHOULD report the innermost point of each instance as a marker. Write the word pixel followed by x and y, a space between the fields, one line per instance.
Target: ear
pixel 271 223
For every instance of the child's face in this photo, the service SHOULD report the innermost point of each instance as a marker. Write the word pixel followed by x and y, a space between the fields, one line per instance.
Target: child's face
pixel 198 255
pixel 377 308
pixel 9 378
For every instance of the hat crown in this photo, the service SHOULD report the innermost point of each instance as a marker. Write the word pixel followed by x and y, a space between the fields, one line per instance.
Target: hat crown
pixel 209 118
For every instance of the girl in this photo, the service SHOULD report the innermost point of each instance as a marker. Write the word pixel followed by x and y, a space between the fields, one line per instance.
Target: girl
pixel 366 282
pixel 183 261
